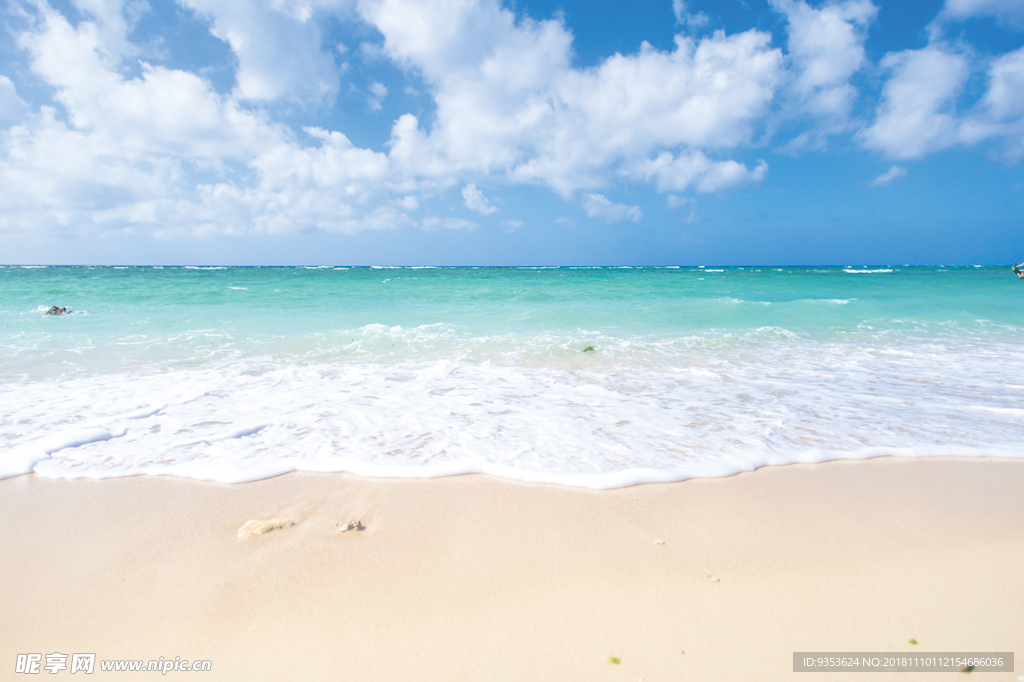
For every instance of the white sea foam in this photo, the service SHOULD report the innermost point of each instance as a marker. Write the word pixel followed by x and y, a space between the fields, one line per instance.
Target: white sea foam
pixel 854 271
pixel 605 419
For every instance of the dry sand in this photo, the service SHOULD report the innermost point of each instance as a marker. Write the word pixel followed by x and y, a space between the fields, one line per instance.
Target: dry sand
pixel 476 578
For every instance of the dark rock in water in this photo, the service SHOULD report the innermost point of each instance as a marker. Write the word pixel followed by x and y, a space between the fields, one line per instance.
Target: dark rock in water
pixel 54 310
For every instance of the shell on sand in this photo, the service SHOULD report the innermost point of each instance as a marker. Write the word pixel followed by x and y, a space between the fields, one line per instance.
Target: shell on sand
pixel 350 526
pixel 260 527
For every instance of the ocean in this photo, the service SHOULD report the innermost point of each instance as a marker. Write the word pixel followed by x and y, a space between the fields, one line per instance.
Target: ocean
pixel 590 377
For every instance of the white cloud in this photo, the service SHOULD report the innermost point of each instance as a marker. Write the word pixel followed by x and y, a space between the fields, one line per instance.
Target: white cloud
pixel 684 17
pixel 109 23
pixel 277 44
pixel 1009 11
pixel 511 226
pixel 894 173
pixel 566 223
pixel 675 202
pixel 337 165
pixel 165 153
pixel 126 140
pixel 1000 113
pixel 476 201
pixel 1004 99
pixel 431 223
pixel 126 157
pixel 161 112
pixel 918 113
pixel 126 145
pixel 12 107
pixel 377 94
pixel 676 174
pixel 599 206
pixel 826 47
pixel 508 99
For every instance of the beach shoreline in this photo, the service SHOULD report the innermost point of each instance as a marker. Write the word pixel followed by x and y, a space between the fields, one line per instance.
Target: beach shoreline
pixel 474 577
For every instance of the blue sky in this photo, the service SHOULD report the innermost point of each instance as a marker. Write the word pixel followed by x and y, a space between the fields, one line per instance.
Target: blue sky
pixel 477 132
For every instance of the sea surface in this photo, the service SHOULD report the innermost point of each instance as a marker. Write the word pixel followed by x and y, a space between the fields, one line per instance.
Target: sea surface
pixel 592 377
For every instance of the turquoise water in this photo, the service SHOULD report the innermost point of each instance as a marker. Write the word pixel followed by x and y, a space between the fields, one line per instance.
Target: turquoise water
pixel 587 376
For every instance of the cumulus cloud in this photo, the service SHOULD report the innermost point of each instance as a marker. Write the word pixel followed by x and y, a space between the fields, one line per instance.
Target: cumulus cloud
pixel 127 153
pixel 894 173
pixel 277 43
pixel 918 114
pixel 12 107
pixel 409 203
pixel 431 223
pixel 133 146
pixel 599 206
pixel 826 48
pixel 918 110
pixel 1008 11
pixel 476 201
pixel 508 99
pixel 1004 99
pixel 511 226
pixel 675 202
pixel 125 140
pixel 676 174
pixel 377 94
pixel 1000 113
pixel 684 17
pixel 161 112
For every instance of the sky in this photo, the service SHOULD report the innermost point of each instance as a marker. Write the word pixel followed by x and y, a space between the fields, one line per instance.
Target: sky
pixel 524 132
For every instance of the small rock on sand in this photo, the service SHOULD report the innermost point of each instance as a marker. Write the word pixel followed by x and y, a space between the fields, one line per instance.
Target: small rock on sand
pixel 260 527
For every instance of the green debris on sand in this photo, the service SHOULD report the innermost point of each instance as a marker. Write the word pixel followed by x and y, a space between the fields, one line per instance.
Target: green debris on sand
pixel 613 660
pixel 912 641
pixel 588 349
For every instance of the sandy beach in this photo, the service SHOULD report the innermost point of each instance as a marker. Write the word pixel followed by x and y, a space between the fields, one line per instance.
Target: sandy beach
pixel 477 578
